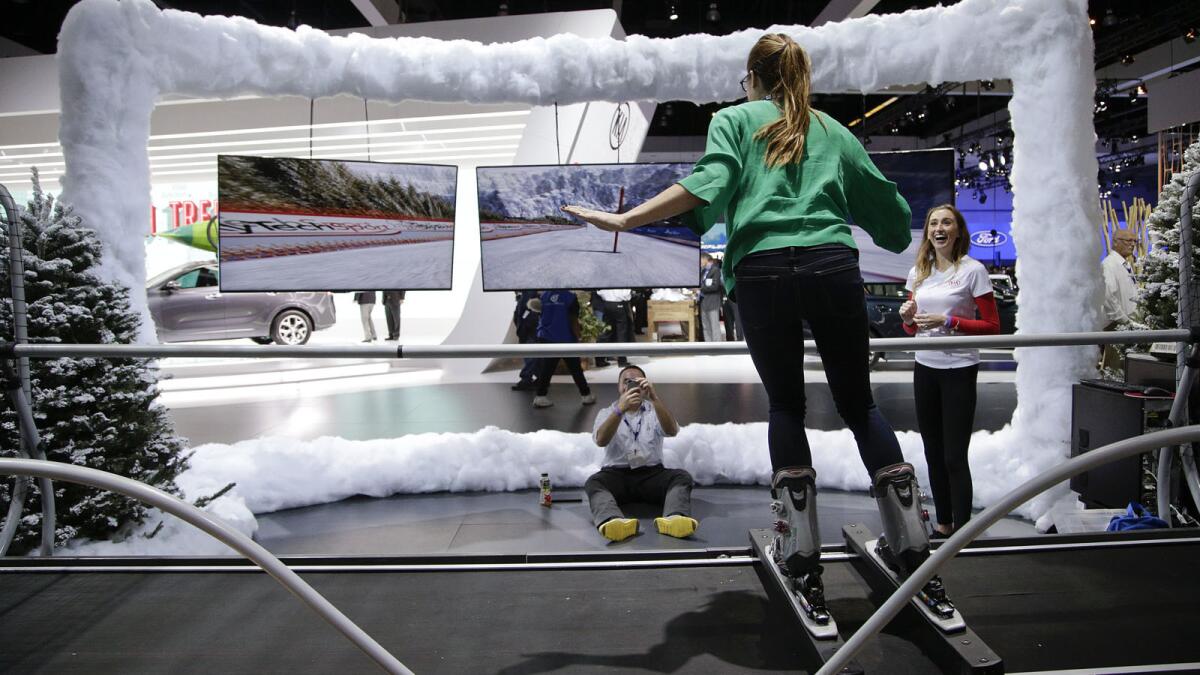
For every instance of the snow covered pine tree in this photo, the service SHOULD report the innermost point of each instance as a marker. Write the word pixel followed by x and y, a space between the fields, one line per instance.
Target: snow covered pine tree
pixel 93 412
pixel 1158 303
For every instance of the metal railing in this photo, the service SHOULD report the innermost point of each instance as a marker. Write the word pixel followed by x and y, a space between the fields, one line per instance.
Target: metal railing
pixel 237 541
pixel 978 524
pixel 22 389
pixel 1189 360
pixel 581 349
pixel 220 531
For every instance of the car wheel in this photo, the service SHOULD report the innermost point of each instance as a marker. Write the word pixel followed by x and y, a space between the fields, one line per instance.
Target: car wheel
pixel 261 340
pixel 291 327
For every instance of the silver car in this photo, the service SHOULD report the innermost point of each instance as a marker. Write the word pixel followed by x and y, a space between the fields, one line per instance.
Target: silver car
pixel 187 304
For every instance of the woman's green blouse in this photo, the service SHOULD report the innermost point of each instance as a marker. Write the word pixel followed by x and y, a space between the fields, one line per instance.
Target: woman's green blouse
pixel 803 204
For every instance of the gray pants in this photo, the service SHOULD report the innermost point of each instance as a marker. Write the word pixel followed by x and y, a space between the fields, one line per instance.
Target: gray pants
pixel 710 321
pixel 612 486
pixel 368 325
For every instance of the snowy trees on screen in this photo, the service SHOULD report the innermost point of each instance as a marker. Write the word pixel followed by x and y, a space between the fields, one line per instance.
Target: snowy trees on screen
pixel 93 412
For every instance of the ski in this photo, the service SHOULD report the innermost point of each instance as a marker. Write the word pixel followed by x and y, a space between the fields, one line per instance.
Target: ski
pixel 820 629
pixel 949 640
pixel 937 611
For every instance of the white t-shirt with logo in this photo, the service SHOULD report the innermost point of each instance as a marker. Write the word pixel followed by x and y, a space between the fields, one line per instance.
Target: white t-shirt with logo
pixel 951 292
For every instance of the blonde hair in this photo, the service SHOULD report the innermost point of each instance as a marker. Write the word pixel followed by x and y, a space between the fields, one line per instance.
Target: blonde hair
pixel 785 73
pixel 925 253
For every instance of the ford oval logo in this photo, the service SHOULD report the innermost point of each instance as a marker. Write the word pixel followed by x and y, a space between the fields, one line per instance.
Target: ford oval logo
pixel 989 238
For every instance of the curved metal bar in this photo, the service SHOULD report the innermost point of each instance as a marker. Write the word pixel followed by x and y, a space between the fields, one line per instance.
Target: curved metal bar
pixel 1166 457
pixel 16 282
pixel 977 525
pixel 28 430
pixel 16 506
pixel 582 349
pixel 30 447
pixel 219 530
pixel 1185 374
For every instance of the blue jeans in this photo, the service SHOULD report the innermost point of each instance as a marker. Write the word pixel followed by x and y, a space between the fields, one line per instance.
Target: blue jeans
pixel 776 291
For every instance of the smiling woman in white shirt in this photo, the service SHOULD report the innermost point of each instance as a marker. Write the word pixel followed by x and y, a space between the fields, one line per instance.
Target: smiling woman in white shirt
pixel 947 288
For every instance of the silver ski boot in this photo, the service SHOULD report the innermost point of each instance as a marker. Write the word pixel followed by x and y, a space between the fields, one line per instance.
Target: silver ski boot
pixel 905 541
pixel 797 547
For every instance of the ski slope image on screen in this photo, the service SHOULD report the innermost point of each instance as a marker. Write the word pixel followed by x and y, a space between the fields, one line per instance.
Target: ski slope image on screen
pixel 528 243
pixel 288 224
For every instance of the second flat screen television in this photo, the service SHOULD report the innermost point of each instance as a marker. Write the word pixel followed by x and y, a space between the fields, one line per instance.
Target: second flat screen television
pixel 528 243
pixel 289 224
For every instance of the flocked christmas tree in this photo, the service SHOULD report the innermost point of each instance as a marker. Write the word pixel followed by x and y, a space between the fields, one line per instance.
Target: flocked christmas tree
pixel 1158 303
pixel 94 412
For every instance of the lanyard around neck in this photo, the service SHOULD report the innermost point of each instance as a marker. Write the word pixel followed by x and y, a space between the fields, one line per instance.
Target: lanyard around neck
pixel 641 420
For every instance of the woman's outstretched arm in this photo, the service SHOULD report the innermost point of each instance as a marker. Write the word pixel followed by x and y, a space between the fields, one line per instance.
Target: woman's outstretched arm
pixel 670 202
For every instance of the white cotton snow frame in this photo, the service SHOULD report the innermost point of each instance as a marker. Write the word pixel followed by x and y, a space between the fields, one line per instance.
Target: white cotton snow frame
pixel 117 59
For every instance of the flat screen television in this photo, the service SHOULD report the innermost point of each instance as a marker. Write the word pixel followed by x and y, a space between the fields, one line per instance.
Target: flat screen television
pixel 288 224
pixel 527 242
pixel 924 177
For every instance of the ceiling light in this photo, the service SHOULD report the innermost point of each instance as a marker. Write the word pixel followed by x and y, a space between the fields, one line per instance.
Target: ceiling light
pixel 1189 36
pixel 983 165
pixel 714 14
pixel 1110 19
pixel 1127 59
pixel 502 10
pixel 674 16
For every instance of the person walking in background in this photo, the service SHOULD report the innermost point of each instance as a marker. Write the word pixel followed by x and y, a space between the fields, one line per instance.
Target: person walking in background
pixel 712 293
pixel 392 300
pixel 631 431
pixel 559 324
pixel 615 311
pixel 366 305
pixel 525 321
pixel 791 257
pixel 946 289
pixel 733 331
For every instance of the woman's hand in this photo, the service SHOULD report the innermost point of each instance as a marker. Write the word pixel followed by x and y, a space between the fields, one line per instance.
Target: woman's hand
pixel 612 222
pixel 930 321
pixel 907 311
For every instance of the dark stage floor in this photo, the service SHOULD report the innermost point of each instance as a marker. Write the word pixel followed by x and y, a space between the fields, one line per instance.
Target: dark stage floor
pixel 387 413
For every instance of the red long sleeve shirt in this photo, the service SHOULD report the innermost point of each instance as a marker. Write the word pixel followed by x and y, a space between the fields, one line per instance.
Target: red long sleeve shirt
pixel 988 322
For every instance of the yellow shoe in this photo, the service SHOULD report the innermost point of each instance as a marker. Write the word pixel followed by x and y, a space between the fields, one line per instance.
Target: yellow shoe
pixel 678 525
pixel 619 529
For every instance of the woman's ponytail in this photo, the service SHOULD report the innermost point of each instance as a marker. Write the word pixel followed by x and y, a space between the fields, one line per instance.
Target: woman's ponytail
pixel 784 71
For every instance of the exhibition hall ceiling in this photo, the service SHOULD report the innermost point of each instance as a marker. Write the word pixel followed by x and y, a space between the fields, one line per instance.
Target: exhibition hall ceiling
pixel 1122 30
pixel 406 133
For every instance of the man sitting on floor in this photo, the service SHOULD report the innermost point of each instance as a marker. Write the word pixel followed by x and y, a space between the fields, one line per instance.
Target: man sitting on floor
pixel 631 431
